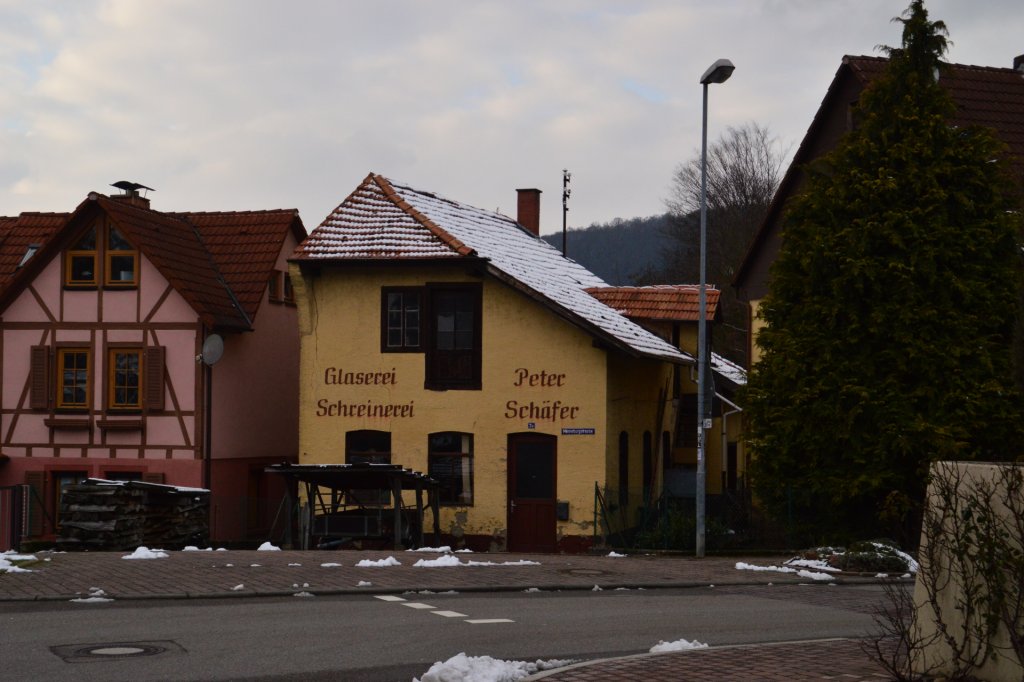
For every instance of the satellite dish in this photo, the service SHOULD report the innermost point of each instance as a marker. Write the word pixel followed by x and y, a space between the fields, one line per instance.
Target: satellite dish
pixel 213 349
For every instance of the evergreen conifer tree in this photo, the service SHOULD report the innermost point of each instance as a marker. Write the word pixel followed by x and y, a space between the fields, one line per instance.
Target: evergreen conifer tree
pixel 890 311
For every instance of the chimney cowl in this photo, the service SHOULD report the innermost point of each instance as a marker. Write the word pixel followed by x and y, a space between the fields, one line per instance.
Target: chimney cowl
pixel 528 213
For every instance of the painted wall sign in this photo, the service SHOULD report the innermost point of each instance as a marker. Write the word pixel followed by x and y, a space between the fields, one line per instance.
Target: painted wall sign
pixel 579 432
pixel 525 377
pixel 339 408
pixel 335 376
pixel 547 410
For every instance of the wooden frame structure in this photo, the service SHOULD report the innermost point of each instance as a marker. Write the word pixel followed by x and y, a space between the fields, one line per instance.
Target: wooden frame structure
pixel 348 512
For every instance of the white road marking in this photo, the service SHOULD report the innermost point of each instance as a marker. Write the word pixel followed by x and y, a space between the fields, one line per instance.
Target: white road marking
pixel 388 597
pixel 487 621
pixel 418 605
pixel 449 614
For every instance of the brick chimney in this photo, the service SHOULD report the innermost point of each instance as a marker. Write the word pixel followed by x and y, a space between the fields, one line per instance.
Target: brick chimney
pixel 131 194
pixel 528 210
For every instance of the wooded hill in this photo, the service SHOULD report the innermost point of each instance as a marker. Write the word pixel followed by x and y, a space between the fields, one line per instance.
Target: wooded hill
pixel 620 251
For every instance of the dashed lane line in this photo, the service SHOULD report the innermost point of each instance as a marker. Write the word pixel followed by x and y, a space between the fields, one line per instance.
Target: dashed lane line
pixel 446 614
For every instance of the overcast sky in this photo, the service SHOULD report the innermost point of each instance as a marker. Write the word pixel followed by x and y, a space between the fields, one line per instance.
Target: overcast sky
pixel 225 105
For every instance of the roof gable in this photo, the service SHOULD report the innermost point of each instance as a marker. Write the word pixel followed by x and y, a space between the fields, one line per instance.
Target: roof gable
pixel 983 95
pixel 219 262
pixel 383 219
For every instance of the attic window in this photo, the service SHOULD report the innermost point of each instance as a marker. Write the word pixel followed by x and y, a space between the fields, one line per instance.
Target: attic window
pixel 102 247
pixel 121 261
pixel 80 262
pixel 29 252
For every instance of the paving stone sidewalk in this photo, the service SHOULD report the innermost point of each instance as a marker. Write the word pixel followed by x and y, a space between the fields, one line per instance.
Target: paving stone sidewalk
pixel 248 573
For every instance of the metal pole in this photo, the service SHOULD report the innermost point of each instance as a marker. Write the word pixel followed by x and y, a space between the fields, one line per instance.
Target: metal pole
pixel 702 327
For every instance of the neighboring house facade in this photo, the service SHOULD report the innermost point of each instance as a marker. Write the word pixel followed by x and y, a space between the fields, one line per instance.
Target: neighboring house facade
pixel 454 341
pixel 984 96
pixel 104 313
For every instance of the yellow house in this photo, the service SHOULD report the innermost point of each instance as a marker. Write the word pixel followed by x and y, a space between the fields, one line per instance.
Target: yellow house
pixel 454 341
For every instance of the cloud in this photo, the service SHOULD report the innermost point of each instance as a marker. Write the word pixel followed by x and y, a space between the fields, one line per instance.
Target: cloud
pixel 259 104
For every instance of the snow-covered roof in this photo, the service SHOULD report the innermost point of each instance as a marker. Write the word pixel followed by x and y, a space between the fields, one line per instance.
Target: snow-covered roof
pixel 387 220
pixel 728 369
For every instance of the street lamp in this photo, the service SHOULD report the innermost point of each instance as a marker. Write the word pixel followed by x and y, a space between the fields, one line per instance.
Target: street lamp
pixel 718 72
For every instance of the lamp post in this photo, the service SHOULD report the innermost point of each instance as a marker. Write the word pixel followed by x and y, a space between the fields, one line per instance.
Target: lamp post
pixel 718 72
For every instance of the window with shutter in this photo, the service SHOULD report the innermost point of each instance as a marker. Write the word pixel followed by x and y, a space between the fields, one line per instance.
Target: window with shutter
pixel 154 377
pixel 39 394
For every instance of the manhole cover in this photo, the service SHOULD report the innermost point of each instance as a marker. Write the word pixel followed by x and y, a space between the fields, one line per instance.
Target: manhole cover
pixel 112 651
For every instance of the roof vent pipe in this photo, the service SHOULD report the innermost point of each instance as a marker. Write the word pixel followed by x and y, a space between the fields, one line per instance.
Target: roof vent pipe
pixel 528 210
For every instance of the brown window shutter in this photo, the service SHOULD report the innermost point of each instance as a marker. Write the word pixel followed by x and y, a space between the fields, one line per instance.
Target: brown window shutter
pixel 154 388
pixel 153 477
pixel 35 483
pixel 39 398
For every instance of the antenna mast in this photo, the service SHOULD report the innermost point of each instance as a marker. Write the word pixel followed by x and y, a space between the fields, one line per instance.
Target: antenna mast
pixel 566 177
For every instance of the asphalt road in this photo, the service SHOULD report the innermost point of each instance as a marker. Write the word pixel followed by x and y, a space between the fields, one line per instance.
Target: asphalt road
pixel 366 638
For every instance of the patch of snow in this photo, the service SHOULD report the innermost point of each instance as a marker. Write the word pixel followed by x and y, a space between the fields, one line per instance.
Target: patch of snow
pixel 444 549
pixel 441 561
pixel 146 553
pixel 268 547
pixel 91 600
pixel 597 588
pixel 613 553
pixel 329 564
pixel 222 549
pixel 364 583
pixel 7 567
pixel 532 589
pixel 678 645
pixel 810 575
pixel 881 575
pixel 255 565
pixel 303 594
pixel 463 551
pixel 816 564
pixel 300 564
pixel 912 565
pixel 193 548
pixel 239 586
pixel 380 563
pixel 463 668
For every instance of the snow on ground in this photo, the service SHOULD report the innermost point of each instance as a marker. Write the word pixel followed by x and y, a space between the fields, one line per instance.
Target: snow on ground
pixel 810 575
pixel 912 565
pixel 449 560
pixel 615 554
pixel 817 564
pixel 678 645
pixel 193 548
pixel 463 668
pixel 370 563
pixel 146 553
pixel 268 547
pixel 444 549
pixel 96 596
pixel 10 556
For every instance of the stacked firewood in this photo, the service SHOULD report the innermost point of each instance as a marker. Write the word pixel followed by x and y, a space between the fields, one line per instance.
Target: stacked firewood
pixel 125 515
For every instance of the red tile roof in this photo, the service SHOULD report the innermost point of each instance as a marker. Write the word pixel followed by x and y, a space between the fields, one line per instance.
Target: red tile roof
pixel 219 262
pixel 984 95
pixel 18 233
pixel 679 302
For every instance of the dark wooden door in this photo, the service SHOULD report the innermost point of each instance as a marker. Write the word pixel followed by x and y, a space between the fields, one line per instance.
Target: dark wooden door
pixel 532 466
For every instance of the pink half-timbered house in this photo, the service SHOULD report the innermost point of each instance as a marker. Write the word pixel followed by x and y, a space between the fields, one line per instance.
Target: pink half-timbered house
pixel 104 313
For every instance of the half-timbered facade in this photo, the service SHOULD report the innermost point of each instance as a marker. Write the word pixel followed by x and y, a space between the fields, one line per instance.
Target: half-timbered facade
pixel 106 312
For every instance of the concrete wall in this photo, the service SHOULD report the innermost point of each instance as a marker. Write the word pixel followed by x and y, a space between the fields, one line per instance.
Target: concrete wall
pixel 1006 667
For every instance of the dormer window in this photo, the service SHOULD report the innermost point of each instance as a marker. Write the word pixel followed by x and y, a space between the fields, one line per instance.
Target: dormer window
pixel 101 245
pixel 121 261
pixel 80 262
